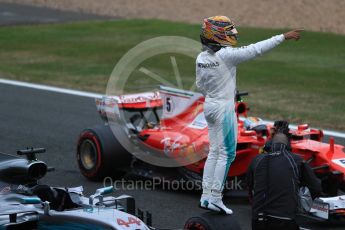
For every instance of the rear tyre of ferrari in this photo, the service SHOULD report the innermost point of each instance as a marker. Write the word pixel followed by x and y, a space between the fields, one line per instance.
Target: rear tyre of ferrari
pixel 212 221
pixel 99 154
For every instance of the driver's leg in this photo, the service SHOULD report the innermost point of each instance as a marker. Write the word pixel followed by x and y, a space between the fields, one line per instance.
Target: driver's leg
pixel 211 114
pixel 210 165
pixel 227 153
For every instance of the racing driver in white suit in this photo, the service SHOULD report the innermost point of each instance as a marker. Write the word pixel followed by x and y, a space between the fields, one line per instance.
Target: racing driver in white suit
pixel 216 79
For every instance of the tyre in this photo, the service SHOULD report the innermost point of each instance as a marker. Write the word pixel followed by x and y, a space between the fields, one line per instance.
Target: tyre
pixel 212 221
pixel 99 154
pixel 197 223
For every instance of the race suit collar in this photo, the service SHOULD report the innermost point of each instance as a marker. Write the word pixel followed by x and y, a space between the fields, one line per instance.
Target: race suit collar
pixel 278 147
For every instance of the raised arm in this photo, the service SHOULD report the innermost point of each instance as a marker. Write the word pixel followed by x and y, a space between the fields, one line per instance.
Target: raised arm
pixel 246 53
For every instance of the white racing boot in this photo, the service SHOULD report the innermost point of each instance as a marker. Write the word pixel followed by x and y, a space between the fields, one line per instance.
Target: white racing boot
pixel 204 201
pixel 216 204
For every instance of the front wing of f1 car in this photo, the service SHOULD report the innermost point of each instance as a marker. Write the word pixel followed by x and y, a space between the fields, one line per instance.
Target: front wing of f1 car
pixel 328 208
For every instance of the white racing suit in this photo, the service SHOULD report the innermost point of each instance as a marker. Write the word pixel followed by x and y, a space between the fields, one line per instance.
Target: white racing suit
pixel 216 79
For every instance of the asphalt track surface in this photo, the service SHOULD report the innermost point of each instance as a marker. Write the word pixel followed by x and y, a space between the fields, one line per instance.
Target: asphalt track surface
pixel 36 118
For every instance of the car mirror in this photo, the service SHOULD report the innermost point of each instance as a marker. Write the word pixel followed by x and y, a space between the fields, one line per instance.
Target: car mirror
pixel 104 191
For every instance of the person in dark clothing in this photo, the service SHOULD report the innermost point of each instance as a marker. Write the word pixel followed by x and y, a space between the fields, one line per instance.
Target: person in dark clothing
pixel 278 126
pixel 274 180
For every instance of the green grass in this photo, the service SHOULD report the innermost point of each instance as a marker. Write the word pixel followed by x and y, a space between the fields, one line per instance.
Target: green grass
pixel 301 81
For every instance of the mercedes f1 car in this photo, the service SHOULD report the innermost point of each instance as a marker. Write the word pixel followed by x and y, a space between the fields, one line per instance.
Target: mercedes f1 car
pixel 146 132
pixel 27 204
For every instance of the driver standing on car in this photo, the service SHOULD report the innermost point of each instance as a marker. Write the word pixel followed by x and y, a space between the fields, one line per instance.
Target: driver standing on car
pixel 216 79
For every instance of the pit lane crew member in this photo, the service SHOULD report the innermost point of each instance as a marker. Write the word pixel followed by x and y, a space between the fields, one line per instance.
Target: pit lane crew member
pixel 278 125
pixel 216 79
pixel 274 180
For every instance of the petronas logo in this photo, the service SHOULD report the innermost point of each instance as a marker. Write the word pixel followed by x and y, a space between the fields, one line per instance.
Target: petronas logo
pixel 208 65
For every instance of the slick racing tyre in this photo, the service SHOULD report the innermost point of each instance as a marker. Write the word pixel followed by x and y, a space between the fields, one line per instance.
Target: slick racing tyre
pixel 197 223
pixel 99 154
pixel 212 221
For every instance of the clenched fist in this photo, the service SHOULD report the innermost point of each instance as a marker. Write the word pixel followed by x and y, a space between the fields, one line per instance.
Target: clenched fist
pixel 293 34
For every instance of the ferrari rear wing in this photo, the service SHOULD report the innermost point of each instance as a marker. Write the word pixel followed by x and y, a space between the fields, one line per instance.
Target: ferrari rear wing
pixel 109 106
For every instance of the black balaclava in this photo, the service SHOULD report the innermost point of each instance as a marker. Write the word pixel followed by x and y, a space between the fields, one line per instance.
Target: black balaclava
pixel 280 142
pixel 209 44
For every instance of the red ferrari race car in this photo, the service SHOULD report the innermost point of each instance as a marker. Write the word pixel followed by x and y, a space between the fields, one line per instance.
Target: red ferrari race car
pixel 164 134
